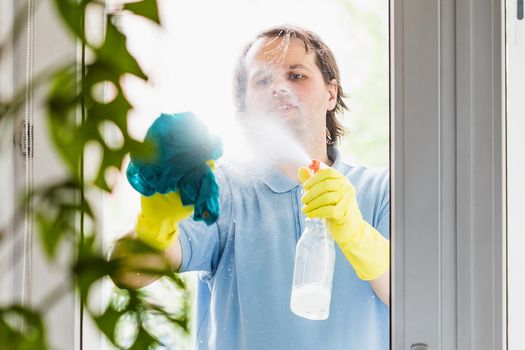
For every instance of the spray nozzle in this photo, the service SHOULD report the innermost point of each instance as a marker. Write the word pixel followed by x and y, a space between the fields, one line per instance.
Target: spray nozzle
pixel 314 165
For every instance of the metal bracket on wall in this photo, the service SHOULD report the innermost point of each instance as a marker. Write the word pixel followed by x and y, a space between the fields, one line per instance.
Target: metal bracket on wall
pixel 23 139
pixel 419 346
pixel 520 9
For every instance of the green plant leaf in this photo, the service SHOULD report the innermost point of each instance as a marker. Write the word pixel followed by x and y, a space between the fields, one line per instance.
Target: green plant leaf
pixel 115 53
pixel 180 319
pixel 107 322
pixel 72 13
pixel 51 234
pixel 90 266
pixel 57 207
pixel 30 337
pixel 143 341
pixel 63 105
pixel 74 120
pixel 71 135
pixel 145 8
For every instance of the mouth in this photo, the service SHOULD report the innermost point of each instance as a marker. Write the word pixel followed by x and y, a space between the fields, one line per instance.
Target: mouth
pixel 284 108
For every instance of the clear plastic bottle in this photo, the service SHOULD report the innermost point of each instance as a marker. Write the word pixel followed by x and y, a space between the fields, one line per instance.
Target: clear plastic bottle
pixel 313 269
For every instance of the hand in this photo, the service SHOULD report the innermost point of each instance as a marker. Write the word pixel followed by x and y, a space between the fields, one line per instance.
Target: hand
pixel 330 195
pixel 137 266
pixel 157 223
pixel 158 219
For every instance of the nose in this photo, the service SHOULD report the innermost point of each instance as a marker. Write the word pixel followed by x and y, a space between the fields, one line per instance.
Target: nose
pixel 278 84
pixel 280 89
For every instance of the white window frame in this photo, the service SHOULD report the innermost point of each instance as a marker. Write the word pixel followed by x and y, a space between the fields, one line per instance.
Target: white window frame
pixel 515 36
pixel 448 175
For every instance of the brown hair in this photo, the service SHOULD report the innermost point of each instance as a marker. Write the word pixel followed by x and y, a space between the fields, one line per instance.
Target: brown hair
pixel 325 60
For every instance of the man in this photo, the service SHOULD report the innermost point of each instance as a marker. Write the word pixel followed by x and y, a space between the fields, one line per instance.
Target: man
pixel 246 259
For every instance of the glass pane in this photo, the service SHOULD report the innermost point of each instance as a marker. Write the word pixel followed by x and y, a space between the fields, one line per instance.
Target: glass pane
pixel 191 62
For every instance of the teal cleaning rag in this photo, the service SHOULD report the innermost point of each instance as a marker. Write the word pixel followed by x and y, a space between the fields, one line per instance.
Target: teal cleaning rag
pixel 182 144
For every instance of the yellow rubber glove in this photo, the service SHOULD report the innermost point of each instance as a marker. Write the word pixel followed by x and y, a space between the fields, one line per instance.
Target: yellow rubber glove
pixel 158 219
pixel 157 223
pixel 330 195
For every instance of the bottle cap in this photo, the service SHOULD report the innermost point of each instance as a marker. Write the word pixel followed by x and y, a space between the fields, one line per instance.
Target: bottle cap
pixel 314 166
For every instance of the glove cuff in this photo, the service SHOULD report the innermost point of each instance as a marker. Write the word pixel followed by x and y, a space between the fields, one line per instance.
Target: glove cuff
pixel 368 252
pixel 157 234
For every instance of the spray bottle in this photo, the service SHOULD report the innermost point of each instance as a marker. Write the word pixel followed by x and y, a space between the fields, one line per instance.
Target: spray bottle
pixel 314 268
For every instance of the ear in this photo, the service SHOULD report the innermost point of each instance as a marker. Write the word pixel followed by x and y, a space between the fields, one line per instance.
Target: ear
pixel 332 95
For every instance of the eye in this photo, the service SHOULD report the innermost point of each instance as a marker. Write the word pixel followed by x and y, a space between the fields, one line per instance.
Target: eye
pixel 296 76
pixel 263 81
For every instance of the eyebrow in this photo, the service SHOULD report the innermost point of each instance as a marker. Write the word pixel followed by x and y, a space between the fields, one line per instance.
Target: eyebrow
pixel 291 66
pixel 295 66
pixel 265 71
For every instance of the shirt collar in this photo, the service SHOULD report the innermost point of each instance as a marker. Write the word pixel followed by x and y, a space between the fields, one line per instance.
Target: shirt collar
pixel 278 182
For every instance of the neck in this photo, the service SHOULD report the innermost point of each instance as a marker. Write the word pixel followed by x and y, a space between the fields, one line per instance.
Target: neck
pixel 320 153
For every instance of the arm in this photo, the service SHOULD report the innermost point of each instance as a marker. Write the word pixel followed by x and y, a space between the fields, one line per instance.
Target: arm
pixel 160 225
pixel 130 274
pixel 157 226
pixel 381 287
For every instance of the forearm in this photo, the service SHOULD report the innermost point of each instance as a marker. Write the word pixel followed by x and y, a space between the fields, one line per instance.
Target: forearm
pixel 131 274
pixel 381 287
pixel 369 255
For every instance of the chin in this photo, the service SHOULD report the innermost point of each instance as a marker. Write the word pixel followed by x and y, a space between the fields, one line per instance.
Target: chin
pixel 297 129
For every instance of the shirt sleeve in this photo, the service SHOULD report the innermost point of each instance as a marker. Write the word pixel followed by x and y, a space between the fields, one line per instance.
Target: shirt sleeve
pixel 201 244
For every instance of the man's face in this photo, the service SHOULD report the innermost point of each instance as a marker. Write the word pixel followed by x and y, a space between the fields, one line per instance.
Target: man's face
pixel 284 82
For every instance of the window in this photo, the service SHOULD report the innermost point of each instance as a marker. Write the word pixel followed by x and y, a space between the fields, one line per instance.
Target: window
pixel 191 60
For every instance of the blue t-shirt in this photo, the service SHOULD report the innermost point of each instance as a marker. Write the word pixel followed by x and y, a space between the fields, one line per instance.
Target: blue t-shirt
pixel 246 261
